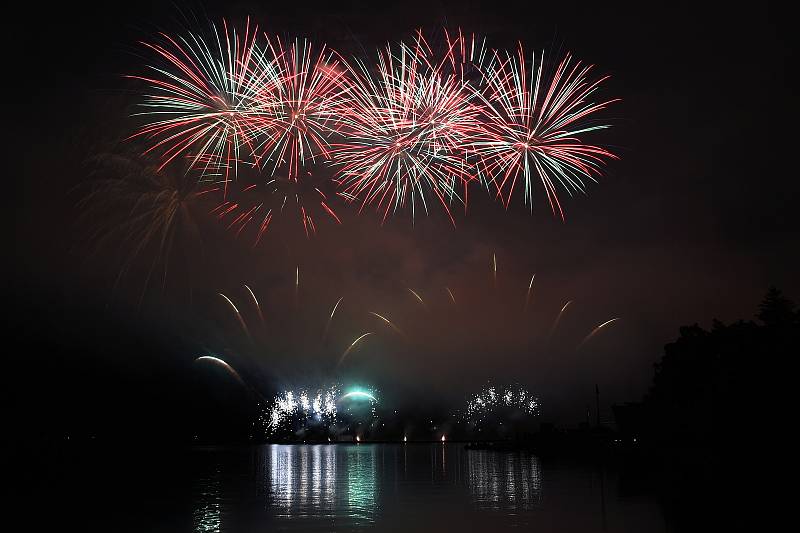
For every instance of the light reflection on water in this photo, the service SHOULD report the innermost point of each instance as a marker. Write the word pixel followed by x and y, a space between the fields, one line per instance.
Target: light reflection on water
pixel 504 480
pixel 399 488
pixel 301 480
pixel 319 481
pixel 207 514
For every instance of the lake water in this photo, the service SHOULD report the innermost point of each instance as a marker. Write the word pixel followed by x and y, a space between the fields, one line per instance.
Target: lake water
pixel 412 487
pixel 348 487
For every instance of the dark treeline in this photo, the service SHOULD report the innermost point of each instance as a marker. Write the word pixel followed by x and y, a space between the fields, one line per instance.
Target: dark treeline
pixel 708 382
pixel 707 424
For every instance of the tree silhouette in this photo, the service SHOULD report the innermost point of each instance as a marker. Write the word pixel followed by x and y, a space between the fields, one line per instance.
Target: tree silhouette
pixel 707 389
pixel 777 310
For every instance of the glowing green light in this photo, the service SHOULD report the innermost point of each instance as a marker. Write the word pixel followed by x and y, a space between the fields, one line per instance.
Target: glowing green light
pixel 359 395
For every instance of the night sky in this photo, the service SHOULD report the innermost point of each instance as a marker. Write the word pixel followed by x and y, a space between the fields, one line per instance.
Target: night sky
pixel 694 222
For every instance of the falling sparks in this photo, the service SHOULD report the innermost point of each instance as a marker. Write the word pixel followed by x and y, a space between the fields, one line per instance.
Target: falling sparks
pixel 418 297
pixel 388 322
pixel 558 318
pixel 219 362
pixel 238 314
pixel 494 269
pixel 296 286
pixel 330 318
pixel 353 345
pixel 255 301
pixel 250 209
pixel 595 331
pixel 528 295
pixel 452 297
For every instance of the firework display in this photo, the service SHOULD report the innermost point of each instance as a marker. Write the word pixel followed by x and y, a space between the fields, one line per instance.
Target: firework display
pixel 407 129
pixel 254 207
pixel 271 336
pixel 344 267
pixel 261 127
pixel 532 127
pixel 447 320
pixel 329 411
pixel 325 411
pixel 147 209
pixel 300 408
pixel 492 400
pixel 317 412
pixel 300 105
pixel 203 99
pixel 423 123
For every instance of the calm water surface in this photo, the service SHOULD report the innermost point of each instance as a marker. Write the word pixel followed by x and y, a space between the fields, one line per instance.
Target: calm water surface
pixel 411 487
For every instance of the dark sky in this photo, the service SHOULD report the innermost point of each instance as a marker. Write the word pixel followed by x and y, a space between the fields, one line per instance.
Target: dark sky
pixel 692 223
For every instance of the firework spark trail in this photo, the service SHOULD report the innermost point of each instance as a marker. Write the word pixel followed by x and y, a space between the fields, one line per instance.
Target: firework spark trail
pixel 330 318
pixel 528 294
pixel 406 130
pixel 595 331
pixel 219 362
pixel 352 345
pixel 418 297
pixel 452 297
pixel 533 127
pixel 203 99
pixel 297 286
pixel 558 318
pixel 238 315
pixel 255 301
pixel 388 322
pixel 258 204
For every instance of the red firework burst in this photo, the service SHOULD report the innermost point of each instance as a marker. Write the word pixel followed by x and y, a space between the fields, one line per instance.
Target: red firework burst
pixel 253 208
pixel 533 127
pixel 407 127
pixel 300 105
pixel 202 101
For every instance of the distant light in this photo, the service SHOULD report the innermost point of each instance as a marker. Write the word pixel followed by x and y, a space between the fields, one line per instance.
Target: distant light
pixel 405 439
pixel 442 438
pixel 358 439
